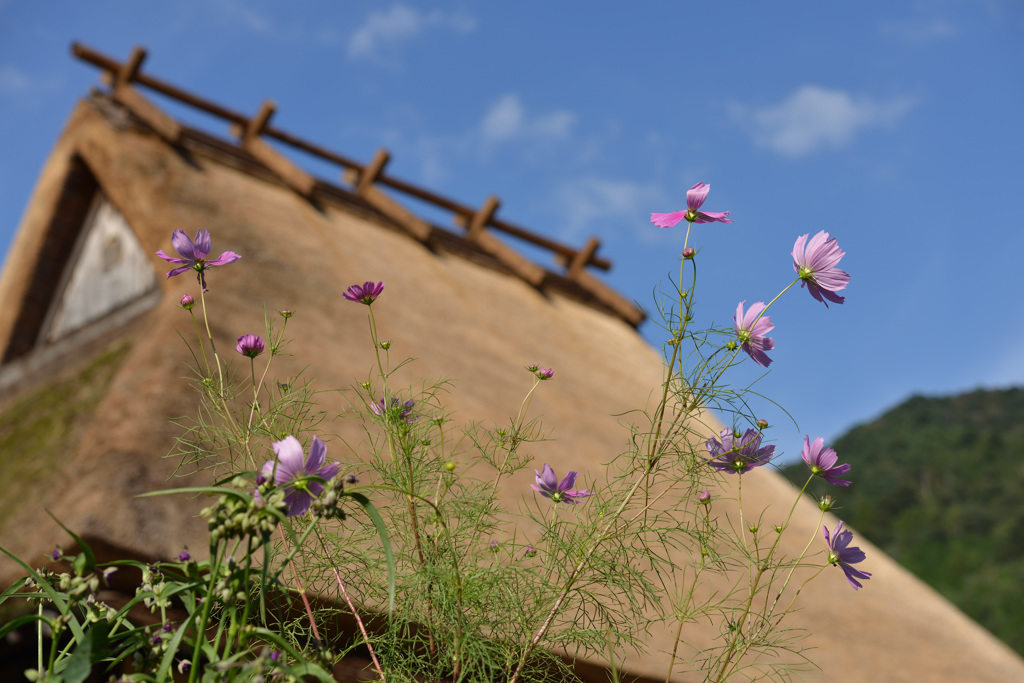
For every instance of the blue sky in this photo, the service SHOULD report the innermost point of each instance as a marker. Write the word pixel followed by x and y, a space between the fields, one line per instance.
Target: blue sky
pixel 894 126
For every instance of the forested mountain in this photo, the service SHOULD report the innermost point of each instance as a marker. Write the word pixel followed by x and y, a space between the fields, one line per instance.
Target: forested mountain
pixel 938 483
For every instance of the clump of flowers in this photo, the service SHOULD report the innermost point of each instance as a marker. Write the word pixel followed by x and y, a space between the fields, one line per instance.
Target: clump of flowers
pixel 292 471
pixel 365 293
pixel 193 255
pixel 547 485
pixel 738 454
pixel 695 197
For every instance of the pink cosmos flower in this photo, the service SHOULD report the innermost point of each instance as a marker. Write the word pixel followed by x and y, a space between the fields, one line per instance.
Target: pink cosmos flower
pixel 547 485
pixel 193 255
pixel 695 197
pixel 737 454
pixel 249 345
pixel 822 461
pixel 842 555
pixel 365 293
pixel 815 264
pixel 751 333
pixel 290 471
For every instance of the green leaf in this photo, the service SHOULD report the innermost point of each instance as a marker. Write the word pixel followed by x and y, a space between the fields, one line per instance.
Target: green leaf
pixel 382 531
pixel 91 649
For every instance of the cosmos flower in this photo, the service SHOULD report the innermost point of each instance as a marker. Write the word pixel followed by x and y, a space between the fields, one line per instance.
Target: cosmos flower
pixel 822 461
pixel 193 255
pixel 695 197
pixel 290 471
pixel 547 485
pixel 751 333
pixel 365 293
pixel 249 345
pixel 738 454
pixel 842 555
pixel 398 410
pixel 815 264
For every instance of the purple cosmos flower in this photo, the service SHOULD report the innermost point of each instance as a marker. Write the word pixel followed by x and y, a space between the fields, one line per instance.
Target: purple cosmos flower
pixel 815 264
pixel 398 410
pixel 751 333
pixel 841 554
pixel 738 454
pixel 548 486
pixel 822 461
pixel 494 544
pixel 289 467
pixel 365 293
pixel 249 345
pixel 695 197
pixel 530 551
pixel 193 255
pixel 184 556
pixel 544 373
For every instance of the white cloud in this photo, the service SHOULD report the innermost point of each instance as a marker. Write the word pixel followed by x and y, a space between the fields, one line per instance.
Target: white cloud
pixel 588 204
pixel 507 120
pixel 13 80
pixel 918 32
pixel 384 31
pixel 813 118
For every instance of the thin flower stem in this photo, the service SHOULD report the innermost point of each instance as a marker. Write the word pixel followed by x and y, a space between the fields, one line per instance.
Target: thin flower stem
pixel 295 576
pixel 217 555
pixel 761 569
pixel 202 345
pixel 359 621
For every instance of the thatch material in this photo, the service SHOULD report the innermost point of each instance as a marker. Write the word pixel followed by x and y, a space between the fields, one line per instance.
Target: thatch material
pixel 456 309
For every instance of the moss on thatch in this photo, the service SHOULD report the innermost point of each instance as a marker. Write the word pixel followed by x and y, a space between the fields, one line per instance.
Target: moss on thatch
pixel 38 430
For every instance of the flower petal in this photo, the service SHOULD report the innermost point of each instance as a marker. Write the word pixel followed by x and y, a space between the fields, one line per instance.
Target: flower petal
pixel 667 220
pixel 183 245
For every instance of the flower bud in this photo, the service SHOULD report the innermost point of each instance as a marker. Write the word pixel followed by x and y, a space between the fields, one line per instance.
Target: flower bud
pixel 187 302
pixel 450 465
pixel 286 314
pixel 689 253
pixel 704 498
pixel 826 503
pixel 762 424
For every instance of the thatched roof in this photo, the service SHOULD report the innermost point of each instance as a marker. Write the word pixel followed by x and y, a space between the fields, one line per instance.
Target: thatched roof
pixel 462 312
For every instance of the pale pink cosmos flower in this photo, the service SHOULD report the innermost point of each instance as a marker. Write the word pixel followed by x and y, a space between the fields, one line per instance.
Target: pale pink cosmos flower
pixel 751 333
pixel 822 461
pixel 290 471
pixel 815 264
pixel 193 255
pixel 695 197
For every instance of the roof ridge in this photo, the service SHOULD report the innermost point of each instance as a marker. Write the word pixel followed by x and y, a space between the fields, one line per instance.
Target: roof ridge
pixel 365 180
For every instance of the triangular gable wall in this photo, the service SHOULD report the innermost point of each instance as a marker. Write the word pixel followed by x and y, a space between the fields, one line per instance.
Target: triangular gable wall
pixel 89 276
pixel 109 273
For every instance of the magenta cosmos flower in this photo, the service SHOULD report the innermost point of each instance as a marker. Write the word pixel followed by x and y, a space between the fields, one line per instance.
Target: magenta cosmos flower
pixel 290 471
pixel 249 345
pixel 822 461
pixel 548 486
pixel 815 264
pixel 751 330
pixel 695 197
pixel 365 293
pixel 736 453
pixel 842 555
pixel 193 255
